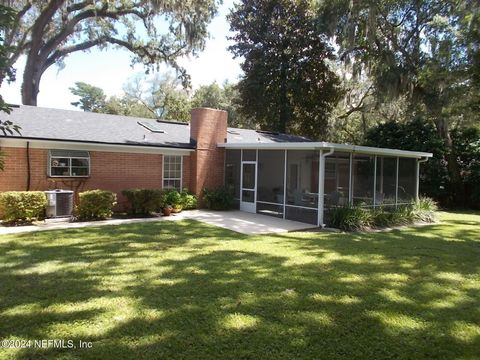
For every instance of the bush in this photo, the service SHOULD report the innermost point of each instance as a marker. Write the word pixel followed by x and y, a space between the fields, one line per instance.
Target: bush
pixel 143 201
pixel 189 201
pixel 22 206
pixel 354 218
pixel 424 209
pixel 351 218
pixel 218 199
pixel 172 198
pixel 95 204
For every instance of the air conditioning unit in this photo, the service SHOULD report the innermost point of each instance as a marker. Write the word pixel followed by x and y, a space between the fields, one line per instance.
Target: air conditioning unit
pixel 59 203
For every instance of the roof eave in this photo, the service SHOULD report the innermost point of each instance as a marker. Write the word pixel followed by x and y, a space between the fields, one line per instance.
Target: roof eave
pixel 15 141
pixel 327 145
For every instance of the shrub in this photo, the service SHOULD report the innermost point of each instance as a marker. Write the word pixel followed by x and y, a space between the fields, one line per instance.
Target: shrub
pixel 22 206
pixel 189 201
pixel 424 209
pixel 143 201
pixel 351 218
pixel 95 204
pixel 354 218
pixel 218 199
pixel 172 198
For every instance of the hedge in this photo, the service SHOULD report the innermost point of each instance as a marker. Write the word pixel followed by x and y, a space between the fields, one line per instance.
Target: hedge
pixel 218 199
pixel 95 204
pixel 143 201
pixel 22 206
pixel 354 218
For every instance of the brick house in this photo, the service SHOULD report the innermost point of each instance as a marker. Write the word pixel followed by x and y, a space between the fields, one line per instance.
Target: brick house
pixel 270 173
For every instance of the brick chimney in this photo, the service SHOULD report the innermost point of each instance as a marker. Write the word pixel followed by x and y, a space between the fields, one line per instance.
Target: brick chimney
pixel 208 127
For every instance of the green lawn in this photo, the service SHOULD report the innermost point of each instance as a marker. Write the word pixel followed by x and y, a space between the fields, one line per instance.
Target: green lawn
pixel 189 290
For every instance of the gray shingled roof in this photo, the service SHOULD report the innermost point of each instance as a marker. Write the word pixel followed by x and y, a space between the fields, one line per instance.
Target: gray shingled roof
pixel 69 125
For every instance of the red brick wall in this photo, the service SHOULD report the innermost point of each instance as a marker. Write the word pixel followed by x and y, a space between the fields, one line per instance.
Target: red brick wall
pixel 208 128
pixel 114 171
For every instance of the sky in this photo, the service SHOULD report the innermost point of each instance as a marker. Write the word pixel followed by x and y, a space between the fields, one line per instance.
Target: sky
pixel 110 69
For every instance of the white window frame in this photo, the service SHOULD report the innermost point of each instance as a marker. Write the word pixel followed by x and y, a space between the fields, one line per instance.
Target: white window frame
pixel 170 178
pixel 70 158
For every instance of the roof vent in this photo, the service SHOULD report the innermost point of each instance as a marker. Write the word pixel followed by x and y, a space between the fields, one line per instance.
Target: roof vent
pixel 152 127
pixel 233 132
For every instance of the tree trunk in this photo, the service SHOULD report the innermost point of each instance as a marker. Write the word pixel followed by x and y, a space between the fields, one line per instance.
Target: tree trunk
pixel 458 187
pixel 283 121
pixel 31 83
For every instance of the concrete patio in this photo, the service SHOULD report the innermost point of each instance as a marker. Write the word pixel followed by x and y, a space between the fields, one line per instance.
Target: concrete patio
pixel 239 221
pixel 247 223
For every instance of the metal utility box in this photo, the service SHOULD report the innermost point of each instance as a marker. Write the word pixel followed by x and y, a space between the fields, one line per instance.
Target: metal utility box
pixel 59 203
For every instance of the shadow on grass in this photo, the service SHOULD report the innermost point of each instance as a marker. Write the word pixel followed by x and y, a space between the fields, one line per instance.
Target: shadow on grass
pixel 180 290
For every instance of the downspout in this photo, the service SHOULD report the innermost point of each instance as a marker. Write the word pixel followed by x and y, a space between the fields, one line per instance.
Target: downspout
pixel 321 186
pixel 28 166
pixel 417 185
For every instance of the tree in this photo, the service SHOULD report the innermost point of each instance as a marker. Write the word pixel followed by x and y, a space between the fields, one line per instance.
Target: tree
pixel 46 32
pixel 225 97
pixel 92 98
pixel 162 95
pixel 287 84
pixel 424 50
pixel 158 97
pixel 7 127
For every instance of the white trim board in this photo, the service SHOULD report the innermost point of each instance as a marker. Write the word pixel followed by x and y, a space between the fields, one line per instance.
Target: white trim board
pixel 326 145
pixel 67 145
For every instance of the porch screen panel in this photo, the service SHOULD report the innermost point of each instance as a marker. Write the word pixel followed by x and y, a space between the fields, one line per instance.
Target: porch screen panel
pixel 406 180
pixel 304 215
pixel 363 178
pixel 232 173
pixel 270 182
pixel 302 178
pixel 386 180
pixel 271 165
pixel 337 180
pixel 302 185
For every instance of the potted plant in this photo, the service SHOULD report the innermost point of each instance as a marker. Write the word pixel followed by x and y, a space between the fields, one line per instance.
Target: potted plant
pixel 167 210
pixel 174 198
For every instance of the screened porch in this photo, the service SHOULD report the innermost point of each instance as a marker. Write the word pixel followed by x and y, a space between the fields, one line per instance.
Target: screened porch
pixel 306 184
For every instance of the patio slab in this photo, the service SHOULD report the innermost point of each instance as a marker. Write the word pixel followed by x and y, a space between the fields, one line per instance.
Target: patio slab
pixel 247 223
pixel 239 221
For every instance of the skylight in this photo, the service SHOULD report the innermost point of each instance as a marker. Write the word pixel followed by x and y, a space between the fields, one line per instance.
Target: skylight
pixel 153 127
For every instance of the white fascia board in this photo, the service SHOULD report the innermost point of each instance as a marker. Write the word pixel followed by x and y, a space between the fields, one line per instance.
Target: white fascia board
pixel 326 145
pixel 67 145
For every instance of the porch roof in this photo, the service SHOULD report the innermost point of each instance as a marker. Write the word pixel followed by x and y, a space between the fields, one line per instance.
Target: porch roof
pixel 327 146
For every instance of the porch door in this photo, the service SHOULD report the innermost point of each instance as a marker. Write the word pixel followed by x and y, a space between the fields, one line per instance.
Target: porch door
pixel 248 186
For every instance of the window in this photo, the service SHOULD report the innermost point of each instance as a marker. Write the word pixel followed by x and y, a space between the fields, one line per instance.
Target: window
pixel 69 163
pixel 172 172
pixel 232 172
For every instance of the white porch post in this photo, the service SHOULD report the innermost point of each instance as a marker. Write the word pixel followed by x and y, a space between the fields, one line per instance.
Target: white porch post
pixel 375 182
pixel 396 183
pixel 417 184
pixel 285 184
pixel 321 186
pixel 350 181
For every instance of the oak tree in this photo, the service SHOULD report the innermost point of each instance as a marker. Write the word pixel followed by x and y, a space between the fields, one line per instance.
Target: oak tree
pixel 47 31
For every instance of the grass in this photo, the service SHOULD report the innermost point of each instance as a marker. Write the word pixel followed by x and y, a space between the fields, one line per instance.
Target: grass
pixel 189 290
